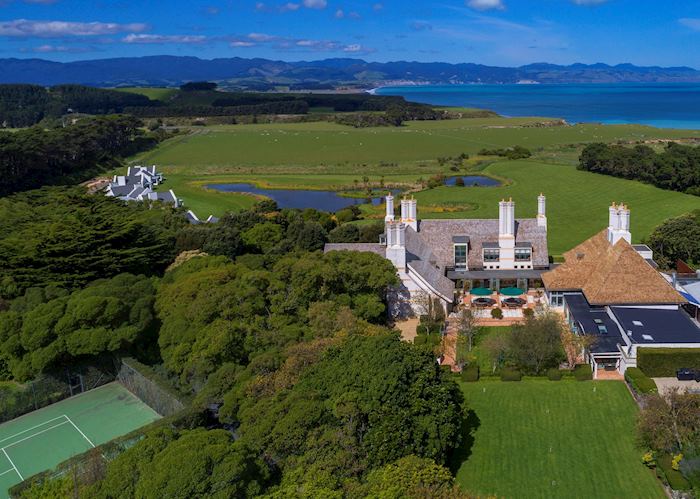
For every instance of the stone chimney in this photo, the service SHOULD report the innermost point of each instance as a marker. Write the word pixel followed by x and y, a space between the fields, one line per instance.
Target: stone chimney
pixel 541 211
pixel 389 209
pixel 413 214
pixel 404 209
pixel 506 234
pixel 396 244
pixel 619 223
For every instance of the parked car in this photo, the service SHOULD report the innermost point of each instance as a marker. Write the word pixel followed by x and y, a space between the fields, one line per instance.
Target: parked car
pixel 686 374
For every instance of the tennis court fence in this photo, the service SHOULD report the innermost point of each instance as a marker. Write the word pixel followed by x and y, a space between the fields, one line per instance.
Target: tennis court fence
pixel 150 387
pixel 51 388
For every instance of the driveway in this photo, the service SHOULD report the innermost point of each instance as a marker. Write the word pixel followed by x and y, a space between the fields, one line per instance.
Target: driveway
pixel 665 384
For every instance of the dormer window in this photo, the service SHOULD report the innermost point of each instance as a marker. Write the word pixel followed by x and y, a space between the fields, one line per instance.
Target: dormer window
pixel 523 254
pixel 492 254
pixel 460 252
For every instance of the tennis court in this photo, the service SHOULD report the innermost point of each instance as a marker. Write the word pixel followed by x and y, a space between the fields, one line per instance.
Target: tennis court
pixel 42 439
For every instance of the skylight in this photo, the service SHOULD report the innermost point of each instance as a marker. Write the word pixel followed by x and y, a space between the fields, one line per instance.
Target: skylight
pixel 638 323
pixel 648 337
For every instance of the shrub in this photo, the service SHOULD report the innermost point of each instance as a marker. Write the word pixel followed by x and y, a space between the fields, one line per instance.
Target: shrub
pixel 663 362
pixel 528 313
pixel 583 372
pixel 554 374
pixel 470 373
pixel 639 381
pixel 509 374
pixel 674 477
pixel 497 313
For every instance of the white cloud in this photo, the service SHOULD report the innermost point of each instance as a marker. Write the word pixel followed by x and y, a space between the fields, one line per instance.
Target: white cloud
pixel 145 38
pixel 261 37
pixel 355 47
pixel 486 4
pixel 50 29
pixel 690 22
pixel 588 2
pixel 290 7
pixel 45 49
pixel 241 43
pixel 315 4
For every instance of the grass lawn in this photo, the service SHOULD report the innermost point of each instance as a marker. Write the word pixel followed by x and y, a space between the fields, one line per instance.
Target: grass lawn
pixel 322 155
pixel 153 93
pixel 478 355
pixel 558 439
pixel 577 201
pixel 322 147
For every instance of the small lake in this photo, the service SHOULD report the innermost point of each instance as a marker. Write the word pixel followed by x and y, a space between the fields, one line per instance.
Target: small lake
pixel 473 180
pixel 330 201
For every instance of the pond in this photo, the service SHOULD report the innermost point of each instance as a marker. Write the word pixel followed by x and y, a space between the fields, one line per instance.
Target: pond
pixel 330 201
pixel 473 180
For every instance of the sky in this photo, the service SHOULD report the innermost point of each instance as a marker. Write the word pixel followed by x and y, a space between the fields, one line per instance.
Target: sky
pixel 492 32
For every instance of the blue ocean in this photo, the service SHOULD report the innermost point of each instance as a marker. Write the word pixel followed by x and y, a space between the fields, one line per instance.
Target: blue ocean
pixel 664 105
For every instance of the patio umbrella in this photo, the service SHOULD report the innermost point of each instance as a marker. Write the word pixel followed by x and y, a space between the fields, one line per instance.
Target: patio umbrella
pixel 512 291
pixel 480 291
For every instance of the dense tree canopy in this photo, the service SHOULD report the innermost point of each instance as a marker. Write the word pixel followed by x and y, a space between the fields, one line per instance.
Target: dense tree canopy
pixel 677 239
pixel 214 311
pixel 184 464
pixel 26 105
pixel 64 237
pixel 48 326
pixel 366 403
pixel 36 156
pixel 676 168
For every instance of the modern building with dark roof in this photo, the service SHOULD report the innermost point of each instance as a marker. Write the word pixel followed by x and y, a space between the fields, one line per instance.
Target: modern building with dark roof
pixel 610 291
pixel 138 185
pixel 442 256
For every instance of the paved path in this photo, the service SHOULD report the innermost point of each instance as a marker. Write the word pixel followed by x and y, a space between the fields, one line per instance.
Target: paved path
pixel 665 384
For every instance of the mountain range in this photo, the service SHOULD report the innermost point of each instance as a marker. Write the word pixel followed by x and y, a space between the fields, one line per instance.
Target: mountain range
pixel 328 73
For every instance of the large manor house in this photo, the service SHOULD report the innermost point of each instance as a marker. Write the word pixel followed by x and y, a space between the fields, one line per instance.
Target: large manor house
pixel 607 287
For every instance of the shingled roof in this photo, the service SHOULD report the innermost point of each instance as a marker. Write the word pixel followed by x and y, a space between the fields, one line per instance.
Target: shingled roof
pixel 610 275
pixel 438 234
pixel 370 247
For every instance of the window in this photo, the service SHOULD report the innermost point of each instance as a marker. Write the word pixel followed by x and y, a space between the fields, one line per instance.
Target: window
pixel 460 257
pixel 492 254
pixel 556 299
pixel 523 254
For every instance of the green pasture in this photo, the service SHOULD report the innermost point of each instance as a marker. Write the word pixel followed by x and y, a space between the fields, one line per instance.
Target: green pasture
pixel 577 201
pixel 552 439
pixel 154 93
pixel 42 439
pixel 322 147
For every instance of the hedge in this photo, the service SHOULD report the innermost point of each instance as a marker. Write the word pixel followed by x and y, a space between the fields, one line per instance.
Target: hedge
pixel 427 339
pixel 554 374
pixel 675 479
pixel 470 373
pixel 639 381
pixel 663 362
pixel 511 375
pixel 583 372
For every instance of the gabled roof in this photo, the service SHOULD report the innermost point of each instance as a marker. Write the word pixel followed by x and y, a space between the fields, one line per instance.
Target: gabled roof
pixel 483 233
pixel 610 275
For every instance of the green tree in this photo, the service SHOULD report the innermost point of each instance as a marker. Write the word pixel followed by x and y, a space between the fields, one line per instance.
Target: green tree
pixel 109 315
pixel 536 344
pixel 677 239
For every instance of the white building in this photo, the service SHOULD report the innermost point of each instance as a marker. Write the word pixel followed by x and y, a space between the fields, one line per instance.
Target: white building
pixel 610 290
pixel 442 256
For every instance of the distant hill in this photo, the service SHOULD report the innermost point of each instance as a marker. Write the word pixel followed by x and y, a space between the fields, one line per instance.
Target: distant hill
pixel 264 74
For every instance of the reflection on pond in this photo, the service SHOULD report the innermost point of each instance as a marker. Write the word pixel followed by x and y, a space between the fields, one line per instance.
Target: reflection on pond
pixel 472 180
pixel 330 201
